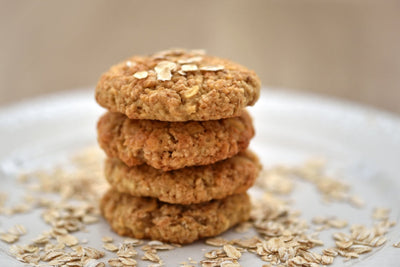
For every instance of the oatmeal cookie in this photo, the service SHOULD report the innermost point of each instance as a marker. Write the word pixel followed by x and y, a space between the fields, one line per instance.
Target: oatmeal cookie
pixel 141 217
pixel 177 85
pixel 188 185
pixel 173 145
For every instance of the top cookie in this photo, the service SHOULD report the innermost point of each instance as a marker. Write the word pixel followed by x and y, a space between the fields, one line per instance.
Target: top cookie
pixel 178 85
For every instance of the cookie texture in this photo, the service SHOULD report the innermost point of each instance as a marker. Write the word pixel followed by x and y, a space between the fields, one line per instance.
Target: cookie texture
pixel 178 85
pixel 188 185
pixel 141 217
pixel 173 145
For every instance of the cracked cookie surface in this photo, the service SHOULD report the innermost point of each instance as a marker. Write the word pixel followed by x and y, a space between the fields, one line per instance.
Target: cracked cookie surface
pixel 173 145
pixel 188 185
pixel 178 85
pixel 141 217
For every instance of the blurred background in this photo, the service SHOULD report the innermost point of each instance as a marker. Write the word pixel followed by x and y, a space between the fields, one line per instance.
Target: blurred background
pixel 343 48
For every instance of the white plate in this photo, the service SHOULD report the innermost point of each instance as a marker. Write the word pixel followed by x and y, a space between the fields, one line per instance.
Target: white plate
pixel 360 143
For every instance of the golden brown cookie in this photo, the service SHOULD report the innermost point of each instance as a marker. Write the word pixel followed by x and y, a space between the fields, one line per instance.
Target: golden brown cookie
pixel 178 85
pixel 188 185
pixel 173 145
pixel 141 217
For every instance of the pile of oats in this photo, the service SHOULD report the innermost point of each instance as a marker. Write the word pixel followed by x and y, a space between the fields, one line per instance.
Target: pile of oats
pixel 284 239
pixel 281 179
pixel 68 199
pixel 175 61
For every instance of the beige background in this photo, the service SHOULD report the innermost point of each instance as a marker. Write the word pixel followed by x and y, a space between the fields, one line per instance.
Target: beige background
pixel 343 48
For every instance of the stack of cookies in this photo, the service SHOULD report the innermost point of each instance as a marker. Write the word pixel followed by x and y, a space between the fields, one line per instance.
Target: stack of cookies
pixel 176 138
